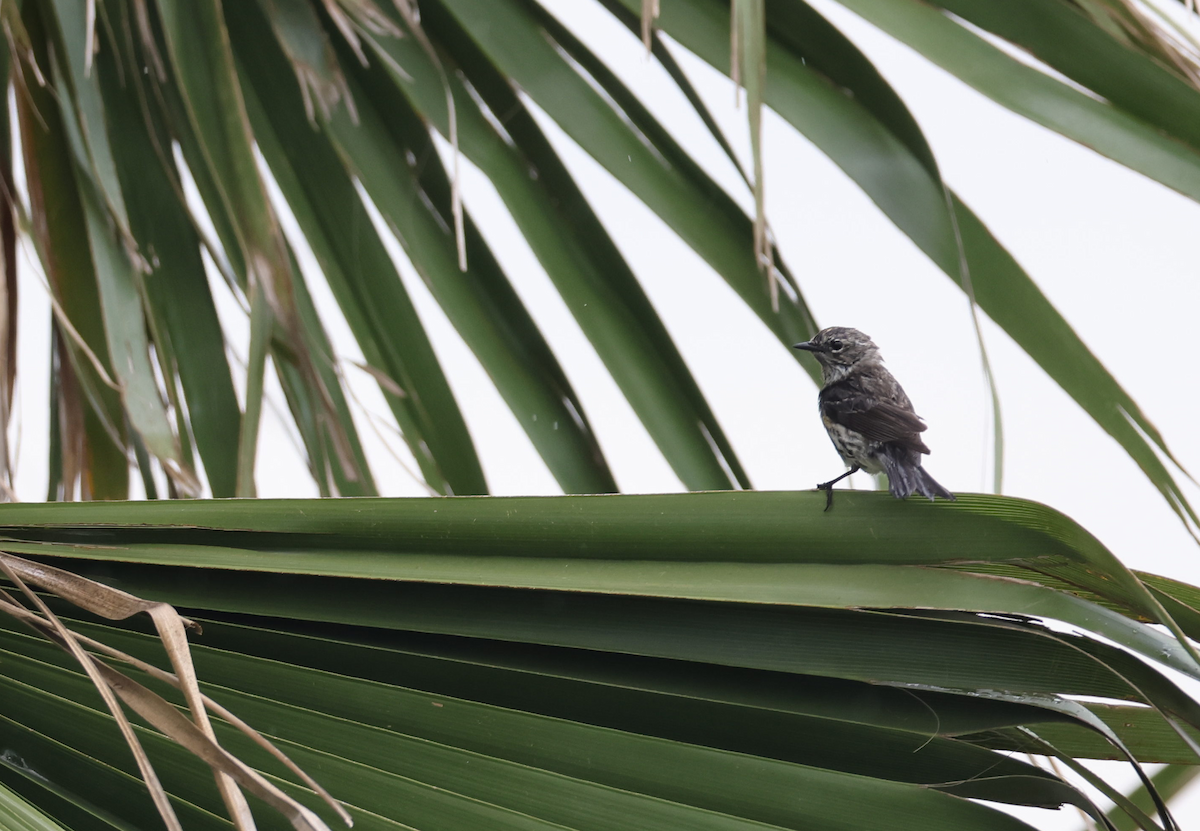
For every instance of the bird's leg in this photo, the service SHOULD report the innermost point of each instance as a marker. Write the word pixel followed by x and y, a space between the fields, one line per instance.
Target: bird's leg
pixel 828 486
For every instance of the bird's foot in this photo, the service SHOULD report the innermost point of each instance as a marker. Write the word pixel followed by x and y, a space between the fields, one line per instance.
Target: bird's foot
pixel 828 488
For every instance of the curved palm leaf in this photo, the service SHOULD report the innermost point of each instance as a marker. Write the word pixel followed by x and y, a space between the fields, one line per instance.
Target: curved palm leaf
pixel 563 660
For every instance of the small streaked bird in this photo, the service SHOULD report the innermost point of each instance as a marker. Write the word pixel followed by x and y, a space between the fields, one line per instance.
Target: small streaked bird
pixel 867 415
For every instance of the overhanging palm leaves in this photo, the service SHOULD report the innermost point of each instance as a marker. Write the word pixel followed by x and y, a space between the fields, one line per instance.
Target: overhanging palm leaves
pixel 340 99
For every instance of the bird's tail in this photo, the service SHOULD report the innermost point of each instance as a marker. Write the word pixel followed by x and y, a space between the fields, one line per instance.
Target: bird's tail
pixel 906 478
pixel 928 486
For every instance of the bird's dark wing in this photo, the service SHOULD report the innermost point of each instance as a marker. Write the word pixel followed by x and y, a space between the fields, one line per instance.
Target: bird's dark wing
pixel 847 404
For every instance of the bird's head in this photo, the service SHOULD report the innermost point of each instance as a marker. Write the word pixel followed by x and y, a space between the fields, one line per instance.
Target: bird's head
pixel 839 349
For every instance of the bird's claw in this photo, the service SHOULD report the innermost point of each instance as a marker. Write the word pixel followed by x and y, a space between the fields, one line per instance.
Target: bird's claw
pixel 828 488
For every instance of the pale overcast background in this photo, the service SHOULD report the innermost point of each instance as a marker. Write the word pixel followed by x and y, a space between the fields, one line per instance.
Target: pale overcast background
pixel 1115 252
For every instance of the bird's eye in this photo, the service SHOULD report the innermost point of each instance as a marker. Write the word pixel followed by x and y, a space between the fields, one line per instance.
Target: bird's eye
pixel 835 346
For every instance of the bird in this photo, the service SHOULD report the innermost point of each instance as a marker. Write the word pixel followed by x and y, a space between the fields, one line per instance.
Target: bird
pixel 870 420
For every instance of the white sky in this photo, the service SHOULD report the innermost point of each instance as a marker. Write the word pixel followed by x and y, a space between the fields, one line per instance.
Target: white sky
pixel 1115 252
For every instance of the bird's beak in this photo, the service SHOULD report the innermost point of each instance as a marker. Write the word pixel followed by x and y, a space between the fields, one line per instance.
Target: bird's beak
pixel 808 346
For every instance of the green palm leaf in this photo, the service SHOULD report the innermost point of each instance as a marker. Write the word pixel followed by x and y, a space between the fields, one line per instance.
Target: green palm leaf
pixel 574 661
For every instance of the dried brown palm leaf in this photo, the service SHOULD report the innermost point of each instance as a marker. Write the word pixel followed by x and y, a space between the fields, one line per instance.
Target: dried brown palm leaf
pixel 213 707
pixel 118 605
pixel 197 737
pixel 149 776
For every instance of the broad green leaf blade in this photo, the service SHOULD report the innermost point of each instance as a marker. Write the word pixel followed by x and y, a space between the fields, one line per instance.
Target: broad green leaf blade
pixel 316 446
pixel 975 528
pixel 900 182
pixel 1167 698
pixel 368 288
pixel 623 759
pixel 703 527
pixel 416 202
pixel 800 555
pixel 794 316
pixel 790 584
pixel 592 692
pixel 697 581
pixel 872 648
pixel 747 711
pixel 802 30
pixel 572 774
pixel 744 711
pixel 426 612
